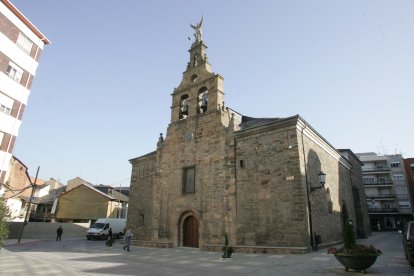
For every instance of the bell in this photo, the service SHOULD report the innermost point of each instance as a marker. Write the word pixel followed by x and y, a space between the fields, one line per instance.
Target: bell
pixel 204 104
pixel 184 109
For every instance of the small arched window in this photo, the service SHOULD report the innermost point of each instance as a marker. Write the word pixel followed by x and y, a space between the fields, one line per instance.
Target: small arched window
pixel 202 100
pixel 183 107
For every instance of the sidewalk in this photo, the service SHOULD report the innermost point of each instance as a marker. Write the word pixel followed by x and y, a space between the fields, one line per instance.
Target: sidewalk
pixel 83 257
pixel 14 241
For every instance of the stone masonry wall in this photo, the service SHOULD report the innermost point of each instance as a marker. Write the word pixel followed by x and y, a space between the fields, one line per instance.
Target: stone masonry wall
pixel 141 216
pixel 329 202
pixel 203 142
pixel 271 205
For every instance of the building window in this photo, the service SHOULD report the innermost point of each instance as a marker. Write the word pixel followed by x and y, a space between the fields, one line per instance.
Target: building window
pixel 189 180
pixel 369 180
pixel 382 180
pixel 6 104
pixel 398 177
pixel 141 219
pixel 14 72
pixel 1 137
pixel 241 163
pixel 404 205
pixel 401 191
pixel 395 164
pixel 24 43
pixel 371 192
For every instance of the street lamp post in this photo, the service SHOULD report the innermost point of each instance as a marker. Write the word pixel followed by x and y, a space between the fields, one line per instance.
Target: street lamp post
pixel 33 185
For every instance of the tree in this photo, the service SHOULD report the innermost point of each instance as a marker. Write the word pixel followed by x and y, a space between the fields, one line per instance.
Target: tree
pixel 4 229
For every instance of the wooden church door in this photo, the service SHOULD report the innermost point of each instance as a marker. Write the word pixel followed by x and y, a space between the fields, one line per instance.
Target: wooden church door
pixel 190 229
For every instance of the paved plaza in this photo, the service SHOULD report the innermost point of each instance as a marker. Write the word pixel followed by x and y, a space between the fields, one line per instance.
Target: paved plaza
pixel 83 257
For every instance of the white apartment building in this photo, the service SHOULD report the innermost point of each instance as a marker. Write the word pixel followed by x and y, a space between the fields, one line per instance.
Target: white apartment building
pixel 386 190
pixel 21 45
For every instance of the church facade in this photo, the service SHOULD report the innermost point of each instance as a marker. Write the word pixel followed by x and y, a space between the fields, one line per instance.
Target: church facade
pixel 256 179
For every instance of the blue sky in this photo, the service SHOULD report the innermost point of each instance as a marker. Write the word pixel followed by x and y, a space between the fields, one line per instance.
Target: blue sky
pixel 101 95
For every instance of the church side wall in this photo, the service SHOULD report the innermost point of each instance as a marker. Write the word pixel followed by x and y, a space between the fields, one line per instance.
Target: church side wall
pixel 271 205
pixel 328 203
pixel 141 197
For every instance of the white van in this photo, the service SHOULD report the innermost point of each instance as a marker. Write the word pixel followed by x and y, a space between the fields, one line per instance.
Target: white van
pixel 100 229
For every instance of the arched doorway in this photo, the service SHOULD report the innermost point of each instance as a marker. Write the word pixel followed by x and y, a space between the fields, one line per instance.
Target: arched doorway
pixel 190 232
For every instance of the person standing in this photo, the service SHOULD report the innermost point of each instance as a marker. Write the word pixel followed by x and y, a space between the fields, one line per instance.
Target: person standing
pixel 59 233
pixel 127 239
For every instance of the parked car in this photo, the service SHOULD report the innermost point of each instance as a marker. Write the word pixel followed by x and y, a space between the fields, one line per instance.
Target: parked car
pixel 408 241
pixel 100 229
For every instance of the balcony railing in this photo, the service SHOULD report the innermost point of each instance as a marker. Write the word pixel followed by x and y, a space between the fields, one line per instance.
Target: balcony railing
pixel 382 210
pixel 380 169
pixel 379 183
pixel 388 195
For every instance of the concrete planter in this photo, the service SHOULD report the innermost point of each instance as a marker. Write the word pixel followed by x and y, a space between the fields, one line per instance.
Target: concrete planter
pixel 360 263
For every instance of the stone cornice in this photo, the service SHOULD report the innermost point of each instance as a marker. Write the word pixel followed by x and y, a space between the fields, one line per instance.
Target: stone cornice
pixel 283 122
pixel 146 157
pixel 300 124
pixel 314 136
pixel 196 84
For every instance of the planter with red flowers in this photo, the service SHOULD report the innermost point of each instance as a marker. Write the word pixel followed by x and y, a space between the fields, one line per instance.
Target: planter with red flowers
pixel 354 256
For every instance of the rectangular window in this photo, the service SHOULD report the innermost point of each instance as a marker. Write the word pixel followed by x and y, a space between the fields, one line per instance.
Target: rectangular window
pixel 371 191
pixel 398 177
pixel 395 164
pixel 369 180
pixel 14 72
pixel 6 103
pixel 401 191
pixel 141 219
pixel 24 43
pixel 382 180
pixel 189 180
pixel 241 163
pixel 404 205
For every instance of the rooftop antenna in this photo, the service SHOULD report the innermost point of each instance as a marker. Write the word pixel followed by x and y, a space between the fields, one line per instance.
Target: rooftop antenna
pixel 384 152
pixel 397 149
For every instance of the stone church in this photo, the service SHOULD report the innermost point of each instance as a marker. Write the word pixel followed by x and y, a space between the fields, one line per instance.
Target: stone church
pixel 272 184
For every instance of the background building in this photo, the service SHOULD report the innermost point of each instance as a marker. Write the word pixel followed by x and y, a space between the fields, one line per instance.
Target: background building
pixel 409 172
pixel 386 189
pixel 18 188
pixel 86 203
pixel 21 45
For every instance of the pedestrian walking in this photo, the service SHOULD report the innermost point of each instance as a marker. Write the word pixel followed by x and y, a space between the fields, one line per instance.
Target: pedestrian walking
pixel 110 234
pixel 59 233
pixel 127 239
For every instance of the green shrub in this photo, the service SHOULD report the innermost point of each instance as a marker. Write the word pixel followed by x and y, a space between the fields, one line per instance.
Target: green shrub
pixel 4 229
pixel 227 250
pixel 349 236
